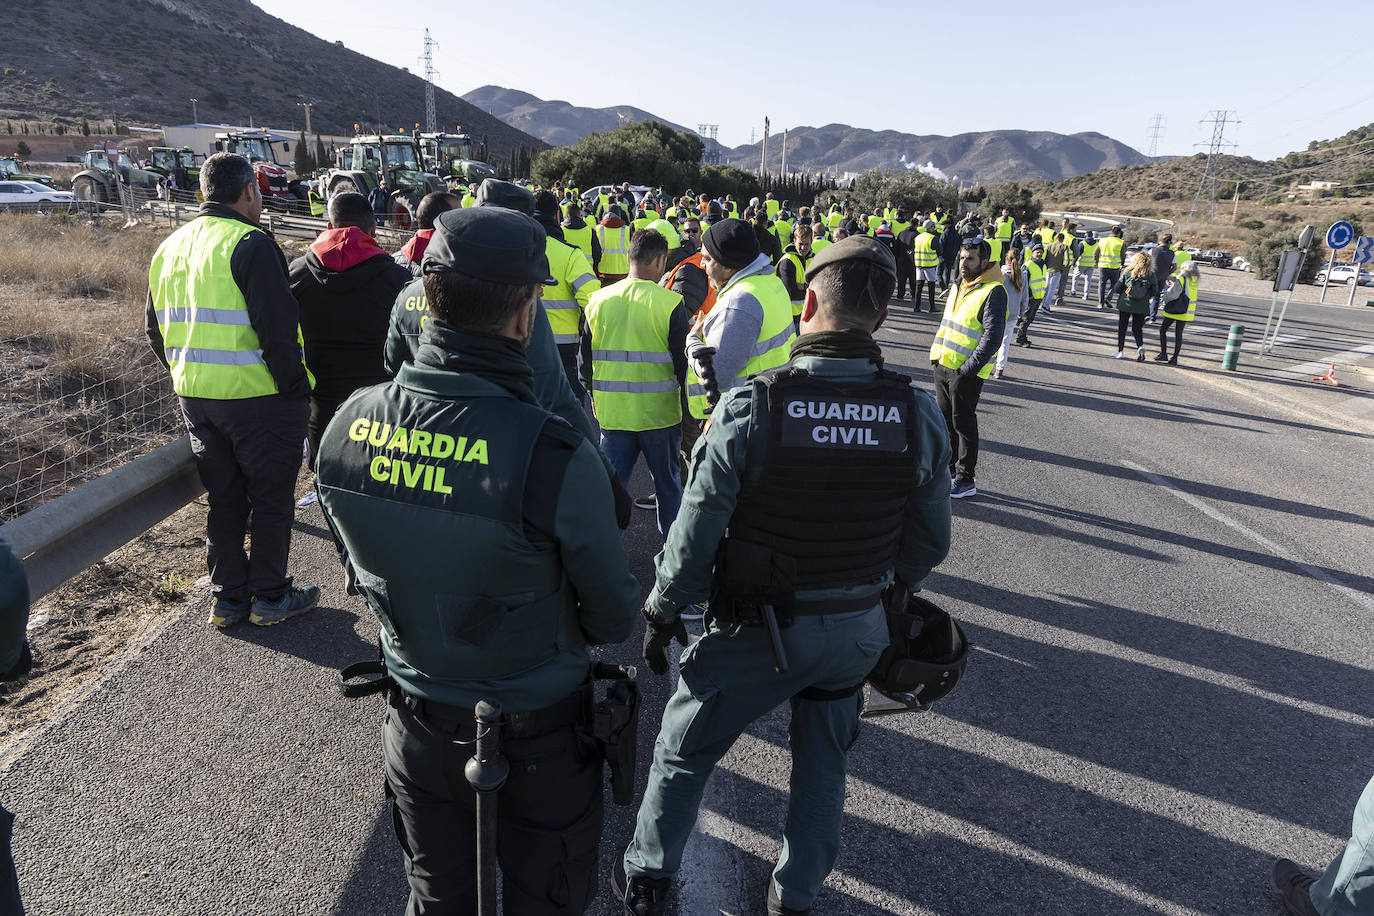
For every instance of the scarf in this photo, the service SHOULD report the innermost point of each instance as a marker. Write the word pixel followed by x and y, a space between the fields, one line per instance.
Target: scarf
pixel 498 359
pixel 850 343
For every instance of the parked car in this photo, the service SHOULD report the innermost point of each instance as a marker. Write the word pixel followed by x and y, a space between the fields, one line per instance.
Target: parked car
pixel 1214 257
pixel 30 195
pixel 1345 273
pixel 1241 264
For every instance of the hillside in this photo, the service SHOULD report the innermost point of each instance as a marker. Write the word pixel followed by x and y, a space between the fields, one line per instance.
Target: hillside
pixel 142 60
pixel 557 122
pixel 1348 159
pixel 999 155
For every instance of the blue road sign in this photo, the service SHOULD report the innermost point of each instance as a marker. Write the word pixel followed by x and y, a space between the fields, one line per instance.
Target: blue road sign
pixel 1364 250
pixel 1339 235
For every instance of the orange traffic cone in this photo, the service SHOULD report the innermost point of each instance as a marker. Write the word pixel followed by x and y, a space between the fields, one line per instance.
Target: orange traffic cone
pixel 1329 377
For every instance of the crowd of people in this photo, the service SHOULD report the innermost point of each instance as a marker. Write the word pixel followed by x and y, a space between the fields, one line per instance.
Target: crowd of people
pixel 493 384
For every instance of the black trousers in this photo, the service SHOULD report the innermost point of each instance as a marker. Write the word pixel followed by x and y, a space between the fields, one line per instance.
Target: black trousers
pixel 958 396
pixel 1137 323
pixel 916 298
pixel 1178 335
pixel 905 276
pixel 1023 322
pixel 946 265
pixel 549 816
pixel 1107 284
pixel 10 904
pixel 248 453
pixel 568 354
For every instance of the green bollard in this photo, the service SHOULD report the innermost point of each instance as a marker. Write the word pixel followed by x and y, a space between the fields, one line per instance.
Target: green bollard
pixel 1231 357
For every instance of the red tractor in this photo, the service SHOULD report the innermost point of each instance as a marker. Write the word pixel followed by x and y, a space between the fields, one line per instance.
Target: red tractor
pixel 279 189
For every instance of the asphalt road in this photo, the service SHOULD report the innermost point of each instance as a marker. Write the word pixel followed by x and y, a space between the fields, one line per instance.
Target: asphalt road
pixel 1167 581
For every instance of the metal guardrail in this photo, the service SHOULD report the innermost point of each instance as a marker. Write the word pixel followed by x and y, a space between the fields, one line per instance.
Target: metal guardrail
pixel 78 529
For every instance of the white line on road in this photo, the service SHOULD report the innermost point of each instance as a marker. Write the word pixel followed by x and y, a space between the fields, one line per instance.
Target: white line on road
pixel 1356 596
pixel 903 816
pixel 1344 358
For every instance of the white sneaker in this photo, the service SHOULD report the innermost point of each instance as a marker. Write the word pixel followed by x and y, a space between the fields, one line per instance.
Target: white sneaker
pixel 1120 354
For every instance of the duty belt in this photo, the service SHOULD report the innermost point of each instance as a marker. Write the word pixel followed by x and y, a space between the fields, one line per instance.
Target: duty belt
pixel 573 709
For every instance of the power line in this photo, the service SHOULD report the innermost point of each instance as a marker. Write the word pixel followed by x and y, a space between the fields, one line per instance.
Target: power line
pixel 430 73
pixel 710 154
pixel 1156 131
pixel 1219 118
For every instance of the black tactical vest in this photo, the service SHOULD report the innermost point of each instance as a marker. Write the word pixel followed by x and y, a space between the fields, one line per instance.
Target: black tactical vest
pixel 839 465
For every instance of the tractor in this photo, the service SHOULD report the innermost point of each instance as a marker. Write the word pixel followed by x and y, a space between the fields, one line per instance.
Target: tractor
pixel 280 190
pixel 450 155
pixel 181 169
pixel 397 156
pixel 99 183
pixel 10 171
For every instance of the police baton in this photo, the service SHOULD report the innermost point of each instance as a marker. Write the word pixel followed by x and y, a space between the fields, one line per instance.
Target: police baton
pixel 486 772
pixel 770 620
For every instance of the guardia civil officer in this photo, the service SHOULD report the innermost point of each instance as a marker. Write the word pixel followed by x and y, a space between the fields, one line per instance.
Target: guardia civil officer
pixel 482 532
pixel 814 485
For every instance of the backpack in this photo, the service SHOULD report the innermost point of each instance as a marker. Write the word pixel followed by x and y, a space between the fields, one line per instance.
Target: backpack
pixel 1139 289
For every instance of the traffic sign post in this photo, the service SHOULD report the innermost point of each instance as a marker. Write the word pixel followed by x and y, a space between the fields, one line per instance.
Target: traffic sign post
pixel 1290 269
pixel 1364 253
pixel 1337 237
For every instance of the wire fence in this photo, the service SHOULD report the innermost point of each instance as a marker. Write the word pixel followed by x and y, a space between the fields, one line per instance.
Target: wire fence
pixel 81 392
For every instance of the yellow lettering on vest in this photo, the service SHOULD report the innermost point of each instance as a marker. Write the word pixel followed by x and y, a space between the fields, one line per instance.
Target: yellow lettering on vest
pixel 380 468
pixel 478 452
pixel 411 473
pixel 377 436
pixel 439 483
pixel 396 471
pixel 419 443
pixel 423 319
pixel 443 446
pixel 460 448
pixel 398 441
pixel 358 431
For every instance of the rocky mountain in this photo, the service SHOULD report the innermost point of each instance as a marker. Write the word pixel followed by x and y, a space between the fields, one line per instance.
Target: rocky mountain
pixel 988 156
pixel 143 60
pixel 557 123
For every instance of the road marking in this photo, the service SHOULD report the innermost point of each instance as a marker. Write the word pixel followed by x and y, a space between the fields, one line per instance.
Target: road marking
pixel 900 814
pixel 1356 596
pixel 1322 366
pixel 1202 813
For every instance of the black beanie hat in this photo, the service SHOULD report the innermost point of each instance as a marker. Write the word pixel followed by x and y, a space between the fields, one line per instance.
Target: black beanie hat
pixel 732 242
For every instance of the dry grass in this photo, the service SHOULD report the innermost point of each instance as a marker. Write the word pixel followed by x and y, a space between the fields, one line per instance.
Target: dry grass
pixel 75 256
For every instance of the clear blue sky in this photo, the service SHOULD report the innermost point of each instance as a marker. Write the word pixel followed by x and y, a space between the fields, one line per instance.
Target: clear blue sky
pixel 1068 67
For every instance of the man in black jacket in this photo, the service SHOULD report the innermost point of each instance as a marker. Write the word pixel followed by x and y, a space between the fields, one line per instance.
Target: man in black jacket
pixel 906 241
pixel 227 329
pixel 346 285
pixel 431 205
pixel 950 240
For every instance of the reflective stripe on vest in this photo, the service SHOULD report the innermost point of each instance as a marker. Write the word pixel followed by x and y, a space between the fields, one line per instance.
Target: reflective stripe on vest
pixel 961 328
pixel 770 350
pixel 926 255
pixel 580 239
pixel 1087 258
pixel 562 302
pixel 615 258
pixel 695 261
pixel 800 266
pixel 208 338
pixel 634 387
pixel 1109 254
pixel 1004 228
pixel 1038 280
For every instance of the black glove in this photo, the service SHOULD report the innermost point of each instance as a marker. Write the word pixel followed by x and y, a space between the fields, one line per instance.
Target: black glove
pixel 624 505
pixel 705 356
pixel 658 635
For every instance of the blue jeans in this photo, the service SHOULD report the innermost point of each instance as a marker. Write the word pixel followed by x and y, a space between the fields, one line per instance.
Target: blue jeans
pixel 1347 888
pixel 660 450
pixel 726 683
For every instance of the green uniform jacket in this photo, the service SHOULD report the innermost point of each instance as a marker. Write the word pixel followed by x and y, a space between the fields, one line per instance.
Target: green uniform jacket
pixel 735 438
pixel 481 526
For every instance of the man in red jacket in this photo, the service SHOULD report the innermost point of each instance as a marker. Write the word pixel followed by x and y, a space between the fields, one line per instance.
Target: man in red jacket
pixel 346 285
pixel 431 205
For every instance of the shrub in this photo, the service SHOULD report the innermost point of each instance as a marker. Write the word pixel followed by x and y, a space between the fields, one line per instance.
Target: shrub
pixel 1270 200
pixel 1251 224
pixel 1160 195
pixel 1264 248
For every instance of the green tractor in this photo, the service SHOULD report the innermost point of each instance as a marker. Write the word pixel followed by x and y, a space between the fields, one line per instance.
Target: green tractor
pixel 11 171
pixel 397 156
pixel 451 156
pixel 180 169
pixel 99 183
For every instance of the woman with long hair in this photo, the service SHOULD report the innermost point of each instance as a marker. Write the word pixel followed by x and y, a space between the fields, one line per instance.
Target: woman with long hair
pixel 1134 291
pixel 1017 282
pixel 1177 310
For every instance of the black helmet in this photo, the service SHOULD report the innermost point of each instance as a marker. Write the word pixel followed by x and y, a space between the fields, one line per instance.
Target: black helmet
pixel 927 654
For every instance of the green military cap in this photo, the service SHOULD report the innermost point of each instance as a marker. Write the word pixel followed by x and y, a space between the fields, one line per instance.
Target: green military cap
pixel 854 248
pixel 497 193
pixel 489 243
